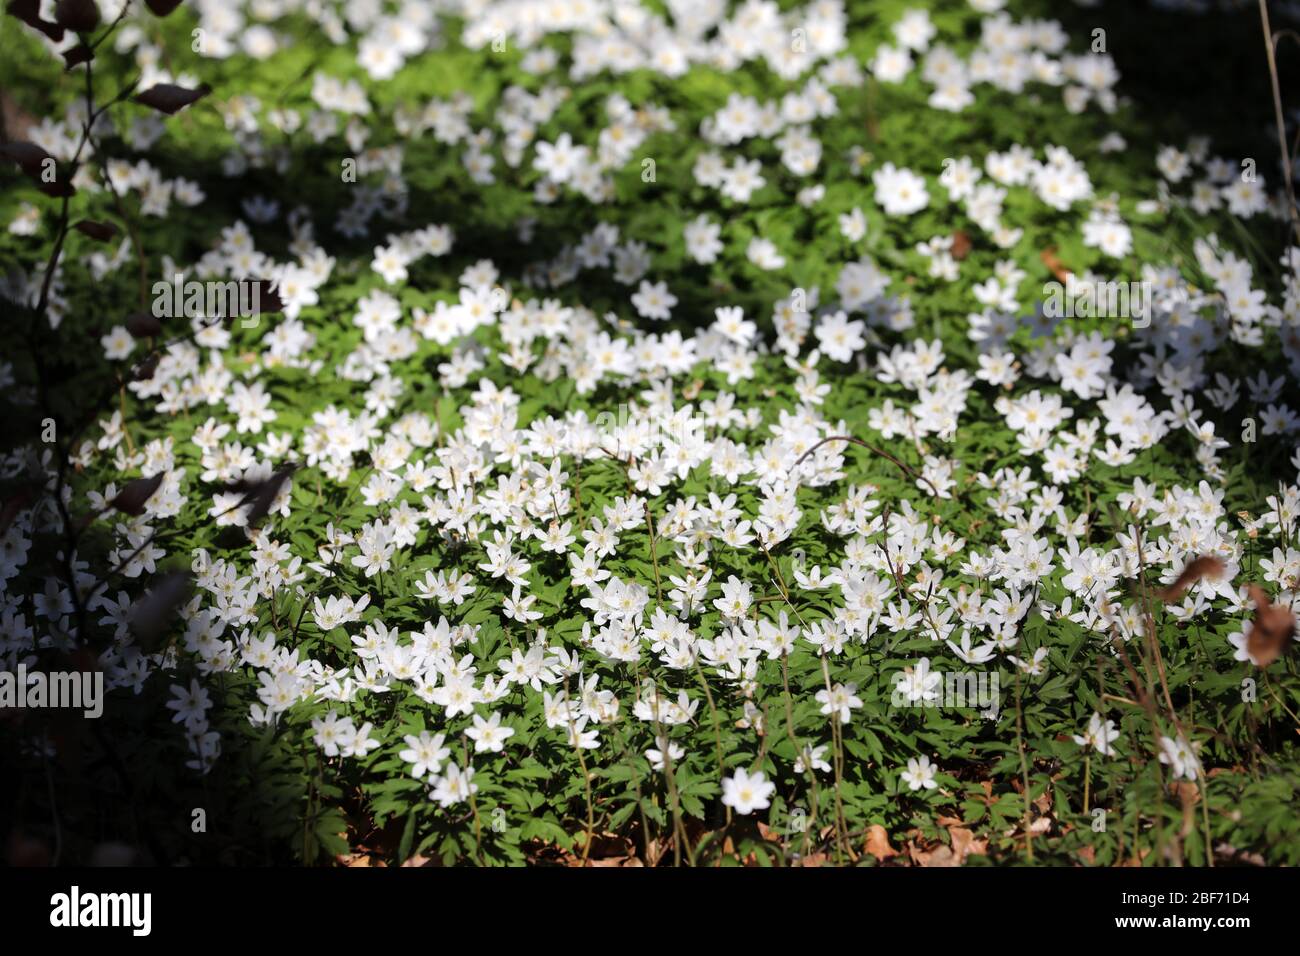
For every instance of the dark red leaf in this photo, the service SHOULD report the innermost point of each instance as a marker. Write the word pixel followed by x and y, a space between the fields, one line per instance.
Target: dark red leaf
pixel 102 231
pixel 142 325
pixel 29 11
pixel 268 299
pixel 79 16
pixel 77 55
pixel 168 98
pixel 151 615
pixel 131 499
pixel 160 8
pixel 263 494
pixel 11 508
pixel 51 30
pixel 146 369
pixel 59 189
pixel 29 156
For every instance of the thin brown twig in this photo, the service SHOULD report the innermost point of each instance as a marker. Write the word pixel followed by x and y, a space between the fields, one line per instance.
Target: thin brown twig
pixel 875 451
pixel 1270 48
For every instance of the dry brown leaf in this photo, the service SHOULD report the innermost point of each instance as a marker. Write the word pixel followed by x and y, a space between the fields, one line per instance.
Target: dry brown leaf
pixel 607 849
pixel 961 841
pixel 940 856
pixel 964 843
pixel 878 843
pixel 1217 771
pixel 1205 566
pixel 920 851
pixel 547 854
pixel 1230 854
pixel 660 850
